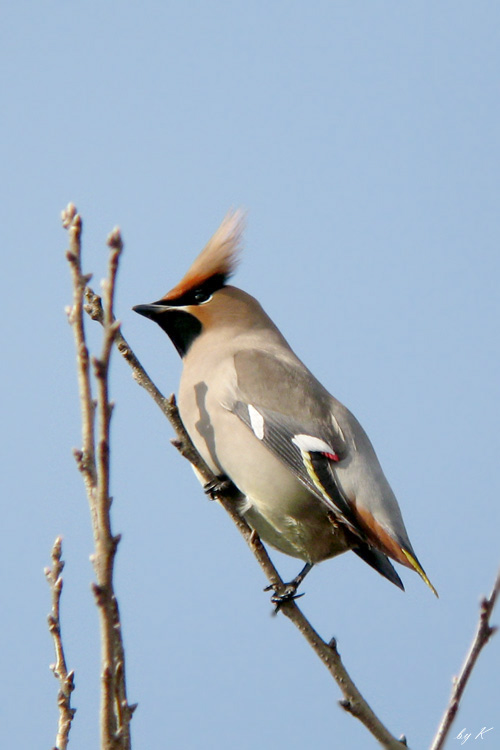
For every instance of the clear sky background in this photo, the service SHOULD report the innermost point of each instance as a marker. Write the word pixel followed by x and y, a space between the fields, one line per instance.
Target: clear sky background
pixel 363 138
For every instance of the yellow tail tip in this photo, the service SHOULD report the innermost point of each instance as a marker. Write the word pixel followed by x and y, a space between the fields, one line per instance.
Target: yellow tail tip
pixel 415 565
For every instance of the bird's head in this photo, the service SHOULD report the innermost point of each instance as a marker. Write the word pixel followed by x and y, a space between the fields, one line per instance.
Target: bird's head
pixel 201 299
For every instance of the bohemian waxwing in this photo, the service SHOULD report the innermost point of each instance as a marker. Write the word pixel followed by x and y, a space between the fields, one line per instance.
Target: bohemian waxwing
pixel 310 482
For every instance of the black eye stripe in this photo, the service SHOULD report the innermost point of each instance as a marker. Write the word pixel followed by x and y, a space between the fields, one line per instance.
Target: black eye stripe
pixel 201 293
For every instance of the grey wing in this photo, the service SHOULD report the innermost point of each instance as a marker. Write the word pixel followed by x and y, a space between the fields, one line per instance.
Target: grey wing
pixel 290 412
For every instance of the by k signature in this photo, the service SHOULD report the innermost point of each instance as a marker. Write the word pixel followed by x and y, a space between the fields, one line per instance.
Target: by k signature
pixel 464 735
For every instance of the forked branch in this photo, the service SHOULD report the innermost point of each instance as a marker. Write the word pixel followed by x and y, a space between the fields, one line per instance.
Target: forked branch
pixel 93 463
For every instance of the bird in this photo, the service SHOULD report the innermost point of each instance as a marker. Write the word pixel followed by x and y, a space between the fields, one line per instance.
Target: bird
pixel 309 481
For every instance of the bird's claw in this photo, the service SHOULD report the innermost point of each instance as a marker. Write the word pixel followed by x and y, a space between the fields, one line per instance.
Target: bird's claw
pixel 280 599
pixel 288 594
pixel 216 487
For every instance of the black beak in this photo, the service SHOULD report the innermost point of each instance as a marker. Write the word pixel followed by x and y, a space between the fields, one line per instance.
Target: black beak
pixel 150 311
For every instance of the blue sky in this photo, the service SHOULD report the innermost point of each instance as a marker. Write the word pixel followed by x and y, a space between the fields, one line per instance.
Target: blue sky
pixel 364 140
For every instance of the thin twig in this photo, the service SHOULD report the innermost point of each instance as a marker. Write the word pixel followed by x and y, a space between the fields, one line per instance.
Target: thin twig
pixel 93 462
pixel 60 670
pixel 353 701
pixel 93 307
pixel 86 457
pixel 484 632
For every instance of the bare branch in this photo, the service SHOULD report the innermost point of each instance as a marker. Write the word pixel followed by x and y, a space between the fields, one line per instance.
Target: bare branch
pixel 484 632
pixel 73 223
pixel 353 701
pixel 65 678
pixel 93 463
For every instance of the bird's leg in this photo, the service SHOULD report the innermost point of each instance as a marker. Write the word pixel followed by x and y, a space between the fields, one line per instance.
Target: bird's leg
pixel 289 593
pixel 217 486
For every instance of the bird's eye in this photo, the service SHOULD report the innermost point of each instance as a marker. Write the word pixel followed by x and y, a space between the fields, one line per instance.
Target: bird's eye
pixel 201 296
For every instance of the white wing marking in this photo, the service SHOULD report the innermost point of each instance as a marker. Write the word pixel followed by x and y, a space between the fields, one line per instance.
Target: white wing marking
pixel 312 444
pixel 256 422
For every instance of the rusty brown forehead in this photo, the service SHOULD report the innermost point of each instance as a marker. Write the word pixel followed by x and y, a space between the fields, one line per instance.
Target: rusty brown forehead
pixel 187 283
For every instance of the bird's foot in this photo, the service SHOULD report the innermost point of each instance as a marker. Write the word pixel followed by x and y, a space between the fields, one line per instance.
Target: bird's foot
pixel 217 486
pixel 287 594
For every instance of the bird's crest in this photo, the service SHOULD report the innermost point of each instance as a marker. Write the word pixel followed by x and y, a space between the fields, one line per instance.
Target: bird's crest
pixel 218 258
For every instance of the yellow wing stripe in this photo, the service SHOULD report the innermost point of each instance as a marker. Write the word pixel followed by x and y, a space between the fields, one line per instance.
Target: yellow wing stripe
pixel 414 564
pixel 310 470
pixel 306 458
